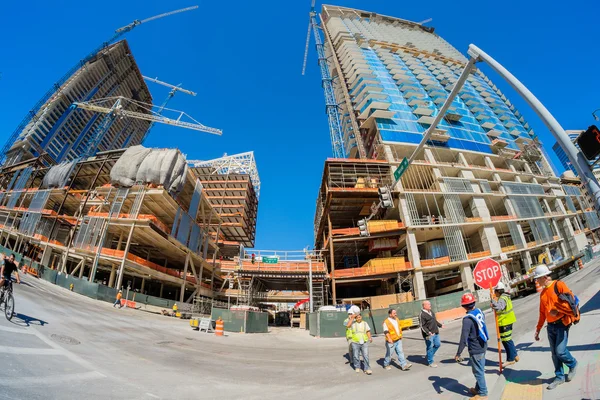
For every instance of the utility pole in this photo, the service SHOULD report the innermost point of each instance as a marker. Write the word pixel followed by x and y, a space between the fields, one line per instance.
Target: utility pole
pixel 310 283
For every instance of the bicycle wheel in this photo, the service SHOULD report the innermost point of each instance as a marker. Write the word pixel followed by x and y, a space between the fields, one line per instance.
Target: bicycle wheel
pixel 9 305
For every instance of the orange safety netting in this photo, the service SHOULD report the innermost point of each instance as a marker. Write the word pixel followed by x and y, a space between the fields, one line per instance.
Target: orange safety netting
pixel 480 254
pixel 375 266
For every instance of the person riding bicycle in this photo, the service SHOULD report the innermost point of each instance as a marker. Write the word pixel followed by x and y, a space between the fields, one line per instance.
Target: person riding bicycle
pixel 8 267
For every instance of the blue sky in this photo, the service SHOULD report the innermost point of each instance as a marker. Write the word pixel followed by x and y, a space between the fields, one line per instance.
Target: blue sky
pixel 244 60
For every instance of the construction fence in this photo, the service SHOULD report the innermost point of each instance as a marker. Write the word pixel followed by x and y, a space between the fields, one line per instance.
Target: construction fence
pixel 243 321
pixel 329 324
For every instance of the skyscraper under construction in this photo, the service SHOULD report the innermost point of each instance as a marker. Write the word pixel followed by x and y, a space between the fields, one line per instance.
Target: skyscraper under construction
pixel 58 132
pixel 481 187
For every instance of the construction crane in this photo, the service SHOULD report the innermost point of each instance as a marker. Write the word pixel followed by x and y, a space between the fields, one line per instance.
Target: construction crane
pixel 331 106
pixel 174 89
pixel 116 107
pixel 34 113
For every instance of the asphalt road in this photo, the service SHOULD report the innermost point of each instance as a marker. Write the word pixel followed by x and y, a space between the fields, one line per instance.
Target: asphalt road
pixel 62 345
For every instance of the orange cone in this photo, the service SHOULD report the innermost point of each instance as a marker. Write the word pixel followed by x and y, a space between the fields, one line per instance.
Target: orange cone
pixel 219 327
pixel 538 287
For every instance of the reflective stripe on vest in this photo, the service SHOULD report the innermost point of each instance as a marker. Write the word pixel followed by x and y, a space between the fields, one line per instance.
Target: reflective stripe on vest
pixel 507 316
pixel 359 329
pixel 395 336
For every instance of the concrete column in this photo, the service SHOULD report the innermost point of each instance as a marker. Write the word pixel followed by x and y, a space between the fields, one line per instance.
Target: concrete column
pixel 496 178
pixel 518 178
pixel 489 163
pixel 162 286
pixel 388 154
pixel 113 274
pixel 462 159
pixel 509 207
pixel 526 259
pixel 185 270
pixel 45 260
pixel 120 242
pixel 82 268
pixel 143 285
pixel 403 210
pixel 489 239
pixel 466 276
pixel 528 168
pixel 413 250
pixel 479 209
pixel 547 205
pixel 429 157
pixel 122 266
pixel 521 234
pixel 419 286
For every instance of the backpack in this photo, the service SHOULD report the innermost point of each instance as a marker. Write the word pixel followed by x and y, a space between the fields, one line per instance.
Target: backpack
pixel 572 300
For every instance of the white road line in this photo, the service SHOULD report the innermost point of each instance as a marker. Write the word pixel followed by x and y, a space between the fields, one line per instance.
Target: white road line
pixel 50 380
pixel 30 350
pixel 16 330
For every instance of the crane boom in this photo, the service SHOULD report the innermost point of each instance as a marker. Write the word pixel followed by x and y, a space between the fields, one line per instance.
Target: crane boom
pixel 33 113
pixel 177 88
pixel 152 116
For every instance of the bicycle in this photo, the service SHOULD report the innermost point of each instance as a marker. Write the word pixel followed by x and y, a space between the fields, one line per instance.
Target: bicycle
pixel 7 299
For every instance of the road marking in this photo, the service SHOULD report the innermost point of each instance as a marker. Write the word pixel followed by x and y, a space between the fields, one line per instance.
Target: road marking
pixel 29 350
pixel 530 390
pixel 50 380
pixel 16 330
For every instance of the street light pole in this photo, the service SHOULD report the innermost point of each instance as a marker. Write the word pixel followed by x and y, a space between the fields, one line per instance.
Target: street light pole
pixel 594 114
pixel 310 284
pixel 577 159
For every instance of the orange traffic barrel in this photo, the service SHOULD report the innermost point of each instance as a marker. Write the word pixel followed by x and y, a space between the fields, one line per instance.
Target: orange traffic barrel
pixel 580 263
pixel 538 287
pixel 219 327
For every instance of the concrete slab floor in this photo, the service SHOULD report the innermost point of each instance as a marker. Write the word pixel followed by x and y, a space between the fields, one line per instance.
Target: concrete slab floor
pixel 62 345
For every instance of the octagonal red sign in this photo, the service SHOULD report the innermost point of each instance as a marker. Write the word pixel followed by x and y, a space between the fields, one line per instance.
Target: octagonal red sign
pixel 487 273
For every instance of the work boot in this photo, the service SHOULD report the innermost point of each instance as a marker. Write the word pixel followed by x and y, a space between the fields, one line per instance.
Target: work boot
pixel 473 391
pixel 357 370
pixel 479 397
pixel 555 383
pixel 572 373
pixel 506 364
pixel 387 368
pixel 368 372
pixel 516 358
pixel 406 367
pixel 434 365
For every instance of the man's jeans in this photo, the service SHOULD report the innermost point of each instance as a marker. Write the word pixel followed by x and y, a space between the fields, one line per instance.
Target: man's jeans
pixel 558 335
pixel 511 350
pixel 478 368
pixel 358 348
pixel 394 347
pixel 350 352
pixel 433 344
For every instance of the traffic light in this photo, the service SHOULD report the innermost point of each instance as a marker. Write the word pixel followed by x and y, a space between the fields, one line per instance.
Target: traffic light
pixel 589 142
pixel 362 227
pixel 385 197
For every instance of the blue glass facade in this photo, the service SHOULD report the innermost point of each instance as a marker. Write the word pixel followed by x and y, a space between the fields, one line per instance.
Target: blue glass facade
pixel 399 75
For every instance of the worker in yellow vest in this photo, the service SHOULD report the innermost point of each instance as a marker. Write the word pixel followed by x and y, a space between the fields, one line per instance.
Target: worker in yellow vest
pixel 506 318
pixel 393 341
pixel 361 337
pixel 175 309
pixel 349 337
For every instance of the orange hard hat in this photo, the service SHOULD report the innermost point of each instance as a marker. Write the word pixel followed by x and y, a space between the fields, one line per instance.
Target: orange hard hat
pixel 467 298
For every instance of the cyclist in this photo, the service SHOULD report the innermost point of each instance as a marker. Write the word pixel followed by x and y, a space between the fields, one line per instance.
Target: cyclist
pixel 8 267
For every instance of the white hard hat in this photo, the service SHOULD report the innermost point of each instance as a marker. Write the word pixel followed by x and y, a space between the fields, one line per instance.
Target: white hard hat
pixel 500 286
pixel 354 310
pixel 541 270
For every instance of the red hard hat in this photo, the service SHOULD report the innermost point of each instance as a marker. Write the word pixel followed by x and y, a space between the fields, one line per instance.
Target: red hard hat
pixel 467 298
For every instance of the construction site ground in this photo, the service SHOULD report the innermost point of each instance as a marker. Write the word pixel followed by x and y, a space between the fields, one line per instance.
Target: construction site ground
pixel 62 345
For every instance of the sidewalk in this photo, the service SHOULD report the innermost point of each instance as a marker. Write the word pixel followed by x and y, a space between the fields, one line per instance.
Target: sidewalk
pixel 528 378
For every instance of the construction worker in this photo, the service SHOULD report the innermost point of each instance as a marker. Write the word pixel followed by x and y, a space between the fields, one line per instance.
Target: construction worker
pixel 506 318
pixel 560 317
pixel 393 341
pixel 361 337
pixel 349 336
pixel 118 300
pixel 430 328
pixel 175 309
pixel 474 335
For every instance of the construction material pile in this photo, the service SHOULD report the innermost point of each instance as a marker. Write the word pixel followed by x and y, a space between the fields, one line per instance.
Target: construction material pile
pixel 161 167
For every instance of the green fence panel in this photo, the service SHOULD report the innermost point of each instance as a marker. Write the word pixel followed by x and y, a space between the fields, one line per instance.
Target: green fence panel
pixel 447 301
pixel 106 293
pixel 257 322
pixel 331 324
pixel 233 321
pixel 49 275
pixel 152 300
pixel 375 319
pixel 313 324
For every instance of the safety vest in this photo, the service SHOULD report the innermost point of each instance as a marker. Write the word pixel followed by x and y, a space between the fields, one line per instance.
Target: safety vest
pixel 507 316
pixel 395 336
pixel 348 330
pixel 358 330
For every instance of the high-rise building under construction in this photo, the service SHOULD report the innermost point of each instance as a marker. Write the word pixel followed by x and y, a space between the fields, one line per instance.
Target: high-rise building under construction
pixel 481 187
pixel 59 132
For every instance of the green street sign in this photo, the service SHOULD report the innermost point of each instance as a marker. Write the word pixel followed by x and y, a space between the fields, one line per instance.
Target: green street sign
pixel 401 168
pixel 270 260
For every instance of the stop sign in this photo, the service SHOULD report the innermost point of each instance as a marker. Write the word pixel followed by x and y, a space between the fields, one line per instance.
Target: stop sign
pixel 487 273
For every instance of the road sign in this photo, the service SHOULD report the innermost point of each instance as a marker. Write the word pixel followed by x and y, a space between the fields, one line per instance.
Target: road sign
pixel 487 273
pixel 401 168
pixel 270 260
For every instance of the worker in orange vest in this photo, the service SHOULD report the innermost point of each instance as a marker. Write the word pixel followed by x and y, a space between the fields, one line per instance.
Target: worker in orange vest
pixel 559 315
pixel 393 341
pixel 118 300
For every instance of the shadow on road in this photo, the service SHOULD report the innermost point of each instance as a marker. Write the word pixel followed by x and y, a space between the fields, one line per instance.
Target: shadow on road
pixel 592 304
pixel 451 385
pixel 26 320
pixel 418 360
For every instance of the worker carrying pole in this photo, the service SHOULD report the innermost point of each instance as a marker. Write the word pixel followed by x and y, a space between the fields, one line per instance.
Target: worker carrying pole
pixel 503 307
